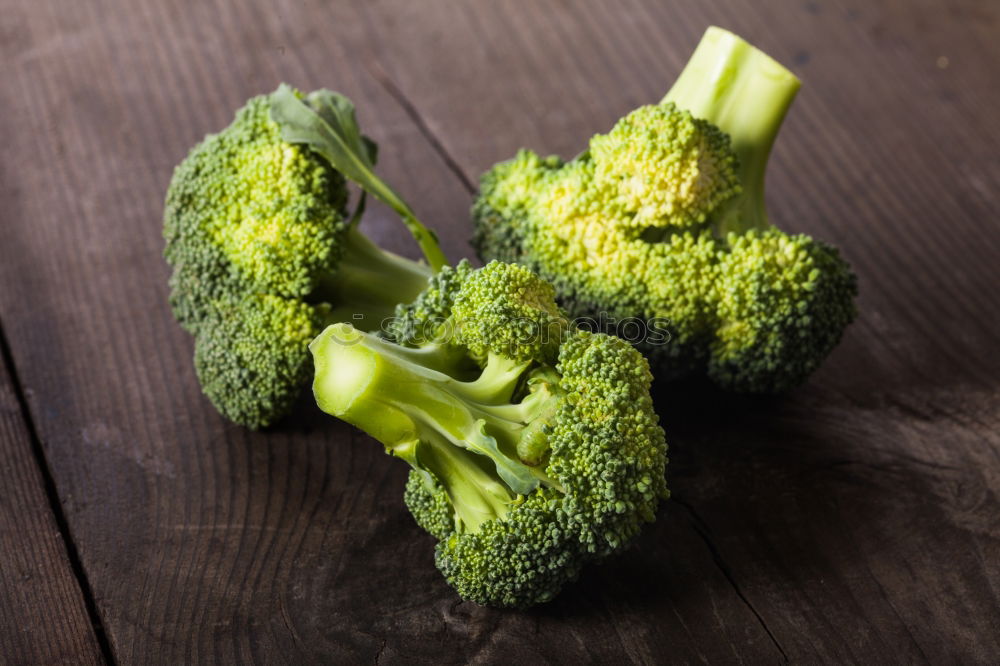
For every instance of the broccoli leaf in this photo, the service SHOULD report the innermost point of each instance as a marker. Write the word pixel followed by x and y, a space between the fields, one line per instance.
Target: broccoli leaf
pixel 515 474
pixel 325 121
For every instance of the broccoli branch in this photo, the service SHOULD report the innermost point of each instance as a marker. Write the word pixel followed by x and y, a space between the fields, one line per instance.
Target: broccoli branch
pixel 465 433
pixel 369 282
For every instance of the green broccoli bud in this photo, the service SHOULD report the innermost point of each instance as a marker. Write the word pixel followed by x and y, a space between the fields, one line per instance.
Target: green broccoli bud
pixel 506 309
pixel 249 351
pixel 422 320
pixel 780 298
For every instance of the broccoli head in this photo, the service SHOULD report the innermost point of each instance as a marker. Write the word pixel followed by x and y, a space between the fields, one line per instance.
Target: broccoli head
pixel 660 166
pixel 534 446
pixel 663 218
pixel 264 257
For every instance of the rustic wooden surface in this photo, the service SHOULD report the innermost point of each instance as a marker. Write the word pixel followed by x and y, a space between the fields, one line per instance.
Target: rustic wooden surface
pixel 857 520
pixel 43 614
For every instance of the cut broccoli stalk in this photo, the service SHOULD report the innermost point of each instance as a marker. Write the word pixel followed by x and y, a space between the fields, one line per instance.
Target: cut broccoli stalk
pixel 465 434
pixel 745 93
pixel 369 283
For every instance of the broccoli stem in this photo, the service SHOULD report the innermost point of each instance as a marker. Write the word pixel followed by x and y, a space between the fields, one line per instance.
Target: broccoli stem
pixel 475 491
pixel 465 433
pixel 425 237
pixel 745 93
pixel 369 282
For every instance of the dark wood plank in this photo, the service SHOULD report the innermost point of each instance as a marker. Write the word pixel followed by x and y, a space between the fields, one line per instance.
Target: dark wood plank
pixel 43 617
pixel 203 542
pixel 858 516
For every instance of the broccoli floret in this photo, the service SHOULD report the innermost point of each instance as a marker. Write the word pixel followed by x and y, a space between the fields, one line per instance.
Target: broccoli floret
pixel 420 321
pixel 660 166
pixel 528 460
pixel 264 258
pixel 251 354
pixel 663 219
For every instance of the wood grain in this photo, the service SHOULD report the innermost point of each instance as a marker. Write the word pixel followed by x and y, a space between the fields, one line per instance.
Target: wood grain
pixel 854 521
pixel 43 617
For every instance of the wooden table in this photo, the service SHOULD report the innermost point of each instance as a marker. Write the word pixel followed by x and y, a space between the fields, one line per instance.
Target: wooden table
pixel 856 520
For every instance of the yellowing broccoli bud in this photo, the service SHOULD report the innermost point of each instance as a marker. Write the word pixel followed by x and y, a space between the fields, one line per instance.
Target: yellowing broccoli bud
pixel 283 215
pixel 272 211
pixel 661 167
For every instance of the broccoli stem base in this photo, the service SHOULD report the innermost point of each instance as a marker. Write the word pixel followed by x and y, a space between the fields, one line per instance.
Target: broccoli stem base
pixel 745 93
pixel 465 434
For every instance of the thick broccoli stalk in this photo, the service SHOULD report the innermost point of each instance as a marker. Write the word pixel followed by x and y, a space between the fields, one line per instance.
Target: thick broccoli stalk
pixel 746 93
pixel 529 460
pixel 265 257
pixel 369 282
pixel 663 219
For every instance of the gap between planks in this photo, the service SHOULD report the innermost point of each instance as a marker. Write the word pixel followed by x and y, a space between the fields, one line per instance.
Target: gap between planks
pixel 702 529
pixel 382 78
pixel 55 506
